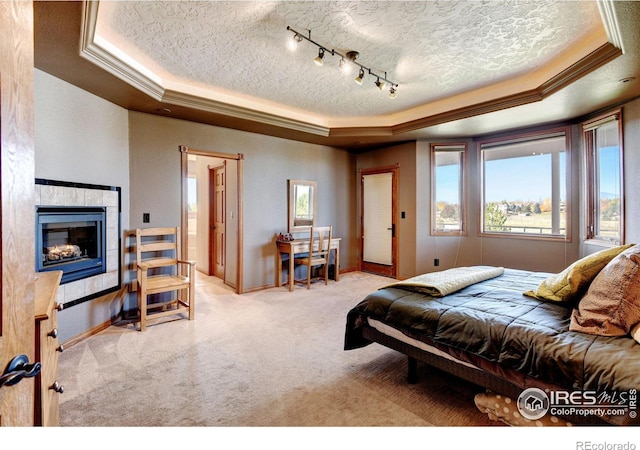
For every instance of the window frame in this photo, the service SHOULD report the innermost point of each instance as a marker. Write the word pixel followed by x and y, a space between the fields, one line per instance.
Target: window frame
pixel 522 138
pixel 591 185
pixel 461 147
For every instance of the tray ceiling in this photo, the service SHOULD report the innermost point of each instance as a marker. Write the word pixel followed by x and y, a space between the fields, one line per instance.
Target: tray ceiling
pixel 453 60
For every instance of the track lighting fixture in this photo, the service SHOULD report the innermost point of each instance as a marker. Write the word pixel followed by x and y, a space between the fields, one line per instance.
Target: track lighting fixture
pixel 346 62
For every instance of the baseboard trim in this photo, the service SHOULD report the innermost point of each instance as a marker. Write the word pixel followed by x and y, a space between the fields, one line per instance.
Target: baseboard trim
pixel 87 334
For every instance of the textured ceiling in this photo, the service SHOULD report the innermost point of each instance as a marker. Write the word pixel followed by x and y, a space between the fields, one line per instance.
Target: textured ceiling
pixel 432 49
pixel 465 68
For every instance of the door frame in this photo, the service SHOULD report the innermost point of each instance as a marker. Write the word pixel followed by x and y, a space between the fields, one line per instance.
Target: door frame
pixel 184 175
pixel 380 269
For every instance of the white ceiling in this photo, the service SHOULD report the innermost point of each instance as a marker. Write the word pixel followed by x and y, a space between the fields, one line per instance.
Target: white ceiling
pixel 231 57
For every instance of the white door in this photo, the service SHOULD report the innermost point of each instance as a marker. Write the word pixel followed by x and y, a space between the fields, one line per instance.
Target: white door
pixel 378 227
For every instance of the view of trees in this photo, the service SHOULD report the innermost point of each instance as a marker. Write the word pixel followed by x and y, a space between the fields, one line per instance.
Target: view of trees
pixel 610 209
pixel 303 209
pixel 522 216
pixel 494 217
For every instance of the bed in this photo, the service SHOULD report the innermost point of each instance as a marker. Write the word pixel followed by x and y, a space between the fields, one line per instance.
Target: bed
pixel 511 331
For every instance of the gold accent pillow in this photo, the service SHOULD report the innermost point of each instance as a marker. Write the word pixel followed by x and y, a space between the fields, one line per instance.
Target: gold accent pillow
pixel 570 284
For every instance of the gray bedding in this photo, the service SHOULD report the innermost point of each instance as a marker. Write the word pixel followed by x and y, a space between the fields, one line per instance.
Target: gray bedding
pixel 494 326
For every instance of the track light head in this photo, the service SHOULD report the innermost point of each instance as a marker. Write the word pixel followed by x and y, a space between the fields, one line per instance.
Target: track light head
pixel 344 66
pixel 360 76
pixel 380 84
pixel 392 92
pixel 294 41
pixel 319 59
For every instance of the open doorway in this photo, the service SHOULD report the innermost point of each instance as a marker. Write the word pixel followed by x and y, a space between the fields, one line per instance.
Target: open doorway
pixel 211 218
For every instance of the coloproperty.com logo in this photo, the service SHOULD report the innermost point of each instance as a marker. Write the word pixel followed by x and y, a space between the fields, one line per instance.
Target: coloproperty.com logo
pixel 534 403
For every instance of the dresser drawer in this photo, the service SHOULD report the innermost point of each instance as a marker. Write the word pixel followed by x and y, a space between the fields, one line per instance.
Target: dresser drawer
pixel 47 349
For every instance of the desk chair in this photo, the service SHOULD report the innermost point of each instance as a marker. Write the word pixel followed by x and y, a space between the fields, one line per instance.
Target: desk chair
pixel 159 270
pixel 318 256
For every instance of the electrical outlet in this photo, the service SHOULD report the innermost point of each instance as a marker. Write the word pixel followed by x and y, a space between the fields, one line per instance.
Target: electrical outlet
pixel 146 218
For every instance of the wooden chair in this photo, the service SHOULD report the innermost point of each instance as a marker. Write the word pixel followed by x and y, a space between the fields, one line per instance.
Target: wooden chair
pixel 318 256
pixel 160 270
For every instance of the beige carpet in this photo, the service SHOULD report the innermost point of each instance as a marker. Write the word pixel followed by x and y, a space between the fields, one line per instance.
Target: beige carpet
pixel 268 358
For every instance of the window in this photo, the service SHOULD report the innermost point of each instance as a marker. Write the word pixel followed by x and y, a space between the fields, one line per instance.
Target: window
pixel 604 189
pixel 524 185
pixel 447 193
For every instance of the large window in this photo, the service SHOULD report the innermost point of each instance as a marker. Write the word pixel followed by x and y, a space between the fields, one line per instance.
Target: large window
pixel 524 185
pixel 447 193
pixel 604 199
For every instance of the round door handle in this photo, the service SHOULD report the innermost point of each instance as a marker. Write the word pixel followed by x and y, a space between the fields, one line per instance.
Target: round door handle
pixel 60 348
pixel 53 333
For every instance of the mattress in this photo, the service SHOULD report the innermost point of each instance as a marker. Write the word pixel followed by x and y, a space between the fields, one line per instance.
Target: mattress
pixel 396 334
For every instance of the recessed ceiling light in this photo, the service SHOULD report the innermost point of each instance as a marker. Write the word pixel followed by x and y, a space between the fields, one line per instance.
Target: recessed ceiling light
pixel 627 79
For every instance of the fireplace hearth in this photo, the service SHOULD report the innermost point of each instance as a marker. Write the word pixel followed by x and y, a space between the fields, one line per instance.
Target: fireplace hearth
pixel 71 239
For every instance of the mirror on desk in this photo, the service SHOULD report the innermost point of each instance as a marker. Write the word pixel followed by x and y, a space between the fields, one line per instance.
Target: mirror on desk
pixel 302 205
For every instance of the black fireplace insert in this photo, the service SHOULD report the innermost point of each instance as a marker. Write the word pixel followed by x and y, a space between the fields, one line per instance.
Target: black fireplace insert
pixel 71 239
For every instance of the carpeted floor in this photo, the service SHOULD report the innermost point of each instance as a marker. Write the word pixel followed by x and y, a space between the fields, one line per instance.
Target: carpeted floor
pixel 270 358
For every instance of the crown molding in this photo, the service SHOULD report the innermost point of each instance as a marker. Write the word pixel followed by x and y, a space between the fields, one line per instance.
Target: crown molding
pixel 104 59
pixel 591 62
pixel 92 52
pixel 239 112
pixel 610 22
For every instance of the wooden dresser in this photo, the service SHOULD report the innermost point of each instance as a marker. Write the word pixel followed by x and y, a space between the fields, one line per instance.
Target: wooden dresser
pixel 47 387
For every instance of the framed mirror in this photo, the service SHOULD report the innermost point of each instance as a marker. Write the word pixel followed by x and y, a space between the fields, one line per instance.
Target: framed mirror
pixel 302 205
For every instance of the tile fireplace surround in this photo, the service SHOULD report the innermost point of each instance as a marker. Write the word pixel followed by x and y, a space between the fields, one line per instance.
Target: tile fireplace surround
pixel 58 193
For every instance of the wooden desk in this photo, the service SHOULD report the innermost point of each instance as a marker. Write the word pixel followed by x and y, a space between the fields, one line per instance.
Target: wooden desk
pixel 291 248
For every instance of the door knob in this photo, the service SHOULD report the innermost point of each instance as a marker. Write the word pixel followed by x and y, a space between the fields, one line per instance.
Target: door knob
pixel 17 369
pixel 57 387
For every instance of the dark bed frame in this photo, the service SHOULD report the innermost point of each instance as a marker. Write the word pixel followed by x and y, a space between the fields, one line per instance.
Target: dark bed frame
pixel 488 380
